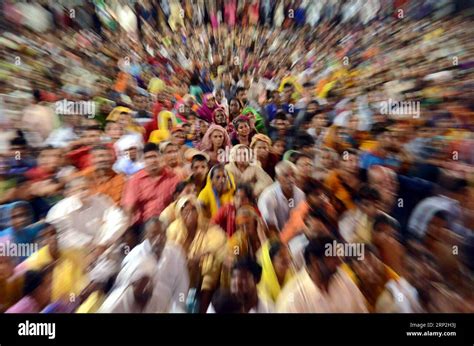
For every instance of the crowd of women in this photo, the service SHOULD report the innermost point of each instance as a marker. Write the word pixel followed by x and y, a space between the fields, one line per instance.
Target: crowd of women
pixel 236 156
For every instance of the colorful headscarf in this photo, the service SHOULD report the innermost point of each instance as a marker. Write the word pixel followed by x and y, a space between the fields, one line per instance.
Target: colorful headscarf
pixel 206 143
pixel 204 111
pixel 164 132
pixel 208 196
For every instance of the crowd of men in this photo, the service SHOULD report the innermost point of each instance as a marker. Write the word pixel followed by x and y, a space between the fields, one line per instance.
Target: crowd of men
pixel 236 156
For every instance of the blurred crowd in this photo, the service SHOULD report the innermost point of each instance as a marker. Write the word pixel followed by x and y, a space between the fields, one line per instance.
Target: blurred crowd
pixel 229 156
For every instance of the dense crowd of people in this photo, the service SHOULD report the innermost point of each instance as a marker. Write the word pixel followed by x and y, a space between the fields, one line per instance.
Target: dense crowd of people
pixel 236 156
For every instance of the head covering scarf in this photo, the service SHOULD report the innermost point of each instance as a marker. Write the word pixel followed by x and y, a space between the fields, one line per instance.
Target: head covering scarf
pixel 206 143
pixel 131 126
pixel 204 111
pixel 262 138
pixel 164 132
pixel 208 196
pixel 269 286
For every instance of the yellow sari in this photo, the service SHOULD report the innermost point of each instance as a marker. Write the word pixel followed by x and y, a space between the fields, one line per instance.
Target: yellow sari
pixel 208 197
pixel 131 126
pixel 269 287
pixel 208 244
pixel 68 273
pixel 164 130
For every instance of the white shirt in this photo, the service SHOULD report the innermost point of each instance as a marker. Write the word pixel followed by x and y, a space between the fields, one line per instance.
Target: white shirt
pixel 275 207
pixel 263 307
pixel 171 278
pixel 99 222
pixel 301 295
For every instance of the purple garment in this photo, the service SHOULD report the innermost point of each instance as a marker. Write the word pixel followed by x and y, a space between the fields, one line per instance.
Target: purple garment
pixel 26 305
pixel 204 112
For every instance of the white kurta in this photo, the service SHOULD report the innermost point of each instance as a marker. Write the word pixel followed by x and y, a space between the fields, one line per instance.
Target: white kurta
pixel 301 295
pixel 170 276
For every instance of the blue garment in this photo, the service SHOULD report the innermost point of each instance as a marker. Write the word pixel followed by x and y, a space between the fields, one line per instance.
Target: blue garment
pixel 271 110
pixel 26 235
pixel 368 159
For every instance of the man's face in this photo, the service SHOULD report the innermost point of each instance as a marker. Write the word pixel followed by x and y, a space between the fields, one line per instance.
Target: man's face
pixel 114 131
pixel 91 137
pixel 171 154
pixel 20 217
pixel 143 289
pixel 319 121
pixel 152 162
pixel 50 159
pixel 350 164
pixel 102 159
pixel 312 107
pixel 200 169
pixel 370 270
pixel 242 284
pixel 141 103
pixel 157 237
pixel 179 137
pixel 281 124
pixel 287 180
pixel 242 96
pixel 304 166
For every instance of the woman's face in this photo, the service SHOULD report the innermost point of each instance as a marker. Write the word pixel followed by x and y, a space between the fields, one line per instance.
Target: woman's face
pixel 234 107
pixel 240 198
pixel 281 261
pixel 326 159
pixel 220 118
pixel 219 180
pixel 261 150
pixel 279 147
pixel 217 139
pixel 320 121
pixel 243 129
pixel 211 102
pixel 189 214
pixel 246 224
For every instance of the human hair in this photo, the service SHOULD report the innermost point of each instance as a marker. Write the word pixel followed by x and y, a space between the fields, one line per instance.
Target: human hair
pixel 300 155
pixel 274 248
pixel 100 147
pixel 198 158
pixel 383 219
pixel 248 190
pixel 215 168
pixel 249 265
pixel 280 115
pixel 181 186
pixel 150 147
pixel 303 139
pixel 367 193
pixel 18 141
pixel 317 248
pixel 312 185
pixel 239 89
pixel 92 128
pixel 283 166
pixel 225 302
pixel 33 279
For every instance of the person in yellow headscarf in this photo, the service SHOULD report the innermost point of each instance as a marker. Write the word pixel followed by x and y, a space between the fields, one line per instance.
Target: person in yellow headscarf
pixel 166 121
pixel 204 245
pixel 123 116
pixel 277 269
pixel 69 277
pixel 219 190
